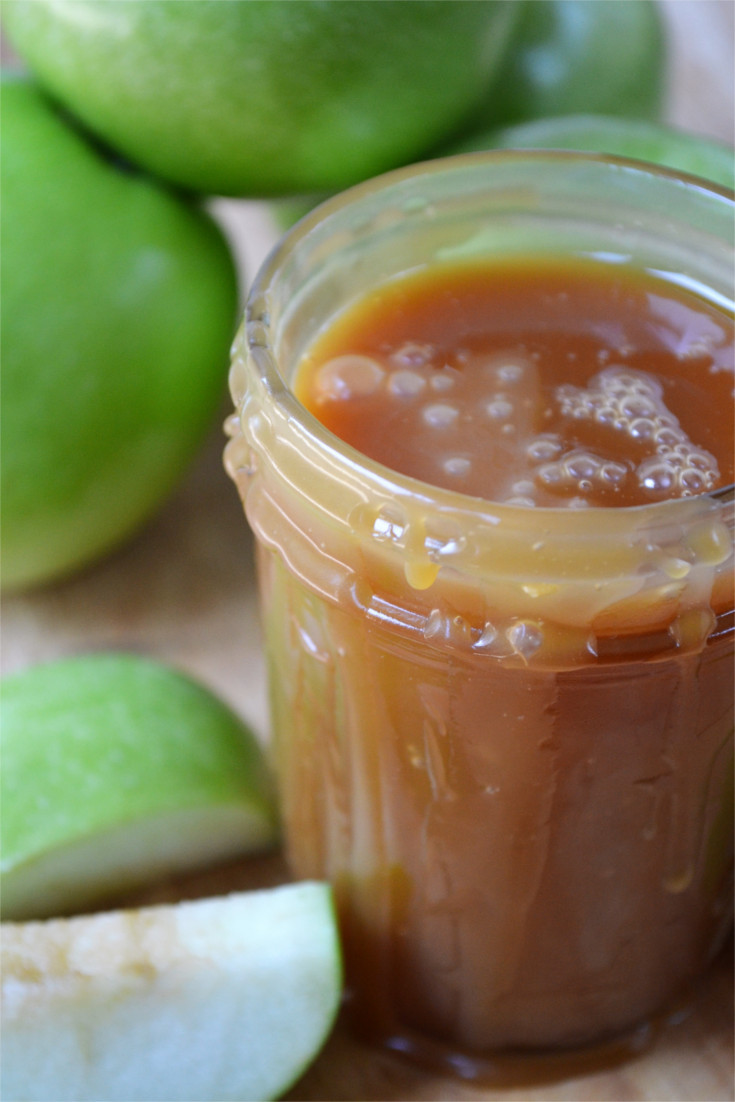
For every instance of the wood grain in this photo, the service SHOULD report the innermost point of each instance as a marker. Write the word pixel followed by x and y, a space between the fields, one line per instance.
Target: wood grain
pixel 184 591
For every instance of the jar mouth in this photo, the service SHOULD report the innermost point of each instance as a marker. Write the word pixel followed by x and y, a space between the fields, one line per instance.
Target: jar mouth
pixel 259 337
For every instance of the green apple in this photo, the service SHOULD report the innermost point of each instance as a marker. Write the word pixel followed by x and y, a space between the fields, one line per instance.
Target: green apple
pixel 568 56
pixel 116 771
pixel 223 998
pixel 265 97
pixel 118 306
pixel 634 138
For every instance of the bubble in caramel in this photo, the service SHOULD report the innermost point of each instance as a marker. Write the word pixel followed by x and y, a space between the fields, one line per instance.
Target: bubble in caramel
pixel 573 384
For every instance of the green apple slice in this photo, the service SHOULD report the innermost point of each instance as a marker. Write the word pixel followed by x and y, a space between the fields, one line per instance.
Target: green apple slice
pixel 223 998
pixel 118 771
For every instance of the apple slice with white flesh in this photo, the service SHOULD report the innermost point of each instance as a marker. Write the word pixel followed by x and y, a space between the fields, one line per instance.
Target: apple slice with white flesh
pixel 223 998
pixel 118 771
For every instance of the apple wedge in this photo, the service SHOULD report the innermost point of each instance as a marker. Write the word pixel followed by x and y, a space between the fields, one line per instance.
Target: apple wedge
pixel 118 771
pixel 222 998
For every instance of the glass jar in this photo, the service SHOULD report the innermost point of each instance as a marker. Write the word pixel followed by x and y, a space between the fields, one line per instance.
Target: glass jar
pixel 503 734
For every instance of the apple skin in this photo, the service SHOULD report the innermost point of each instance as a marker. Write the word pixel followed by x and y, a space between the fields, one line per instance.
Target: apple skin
pixel 117 772
pixel 637 139
pixel 118 307
pixel 227 998
pixel 603 57
pixel 265 97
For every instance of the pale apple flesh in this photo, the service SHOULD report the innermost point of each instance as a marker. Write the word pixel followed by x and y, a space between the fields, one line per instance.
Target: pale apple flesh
pixel 224 998
pixel 102 866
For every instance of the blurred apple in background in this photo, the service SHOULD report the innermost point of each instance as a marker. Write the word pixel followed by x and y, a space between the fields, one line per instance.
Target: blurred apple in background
pixel 269 96
pixel 118 308
pixel 635 138
pixel 602 57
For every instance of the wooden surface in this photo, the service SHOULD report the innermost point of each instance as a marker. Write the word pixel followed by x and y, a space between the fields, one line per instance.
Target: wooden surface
pixel 183 591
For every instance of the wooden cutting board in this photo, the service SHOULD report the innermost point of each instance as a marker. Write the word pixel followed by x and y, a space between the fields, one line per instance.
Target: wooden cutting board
pixel 184 591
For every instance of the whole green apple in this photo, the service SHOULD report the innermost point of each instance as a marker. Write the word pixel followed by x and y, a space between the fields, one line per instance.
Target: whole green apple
pixel 638 139
pixel 118 306
pixel 635 138
pixel 265 97
pixel 570 56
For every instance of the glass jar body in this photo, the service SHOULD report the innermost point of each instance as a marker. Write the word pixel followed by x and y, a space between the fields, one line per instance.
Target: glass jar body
pixel 521 857
pixel 504 735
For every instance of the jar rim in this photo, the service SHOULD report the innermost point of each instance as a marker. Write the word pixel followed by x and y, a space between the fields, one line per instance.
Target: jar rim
pixel 257 322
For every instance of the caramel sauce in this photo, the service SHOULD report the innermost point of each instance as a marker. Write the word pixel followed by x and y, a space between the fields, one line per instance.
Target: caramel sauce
pixel 510 753
pixel 572 383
